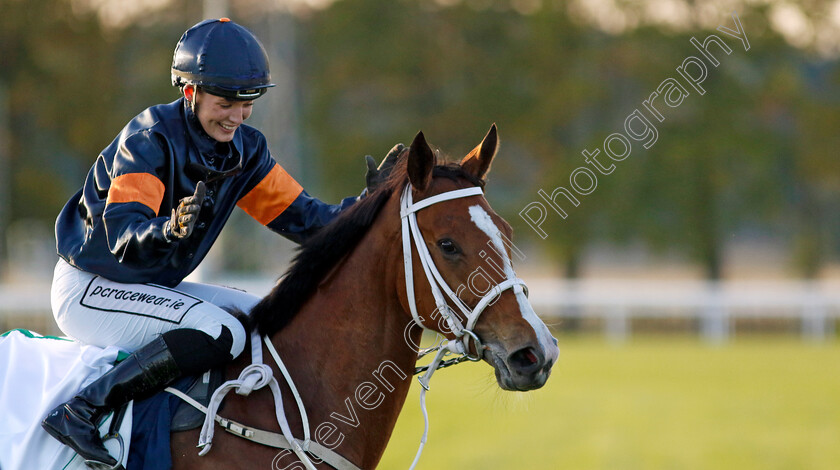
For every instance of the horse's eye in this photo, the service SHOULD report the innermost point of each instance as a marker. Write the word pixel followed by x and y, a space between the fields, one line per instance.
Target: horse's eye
pixel 448 247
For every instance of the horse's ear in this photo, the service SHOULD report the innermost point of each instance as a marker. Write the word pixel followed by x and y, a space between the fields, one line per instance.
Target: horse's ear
pixel 421 162
pixel 477 162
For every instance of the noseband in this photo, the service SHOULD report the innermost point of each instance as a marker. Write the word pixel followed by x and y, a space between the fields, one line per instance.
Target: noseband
pixel 463 334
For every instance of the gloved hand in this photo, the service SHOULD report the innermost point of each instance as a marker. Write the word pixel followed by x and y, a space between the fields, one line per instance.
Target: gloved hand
pixel 375 176
pixel 184 217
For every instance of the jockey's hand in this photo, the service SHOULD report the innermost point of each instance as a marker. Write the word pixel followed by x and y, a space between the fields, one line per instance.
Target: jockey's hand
pixel 376 175
pixel 184 217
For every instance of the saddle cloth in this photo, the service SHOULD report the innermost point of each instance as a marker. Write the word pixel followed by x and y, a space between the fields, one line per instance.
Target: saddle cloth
pixel 38 373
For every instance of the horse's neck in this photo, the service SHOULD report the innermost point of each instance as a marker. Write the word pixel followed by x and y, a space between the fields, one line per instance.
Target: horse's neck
pixel 348 353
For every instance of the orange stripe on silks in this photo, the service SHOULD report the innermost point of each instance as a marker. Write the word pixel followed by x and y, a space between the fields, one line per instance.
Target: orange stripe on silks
pixel 144 188
pixel 273 195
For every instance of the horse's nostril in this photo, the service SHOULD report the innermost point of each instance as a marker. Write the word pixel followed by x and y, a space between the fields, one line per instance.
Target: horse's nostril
pixel 531 357
pixel 524 360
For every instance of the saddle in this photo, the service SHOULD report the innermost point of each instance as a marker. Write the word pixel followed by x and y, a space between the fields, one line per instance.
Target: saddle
pixel 200 389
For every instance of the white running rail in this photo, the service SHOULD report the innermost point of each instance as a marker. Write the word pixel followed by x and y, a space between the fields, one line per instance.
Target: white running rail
pixel 815 304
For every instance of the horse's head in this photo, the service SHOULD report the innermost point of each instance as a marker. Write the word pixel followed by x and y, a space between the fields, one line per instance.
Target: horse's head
pixel 465 262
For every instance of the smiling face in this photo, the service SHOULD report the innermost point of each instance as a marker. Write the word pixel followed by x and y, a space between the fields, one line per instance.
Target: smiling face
pixel 220 117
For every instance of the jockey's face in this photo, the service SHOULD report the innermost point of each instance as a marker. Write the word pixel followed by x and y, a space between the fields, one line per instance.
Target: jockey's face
pixel 220 117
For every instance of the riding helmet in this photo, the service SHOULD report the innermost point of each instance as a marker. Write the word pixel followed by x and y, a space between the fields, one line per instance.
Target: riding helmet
pixel 223 58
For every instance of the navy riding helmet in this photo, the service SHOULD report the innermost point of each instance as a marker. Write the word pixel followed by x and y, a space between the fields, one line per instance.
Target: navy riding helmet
pixel 222 58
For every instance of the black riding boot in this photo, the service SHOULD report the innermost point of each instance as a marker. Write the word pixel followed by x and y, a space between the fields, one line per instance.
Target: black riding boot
pixel 140 375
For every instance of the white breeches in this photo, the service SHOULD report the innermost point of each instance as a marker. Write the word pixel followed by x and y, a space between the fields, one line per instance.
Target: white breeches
pixel 94 310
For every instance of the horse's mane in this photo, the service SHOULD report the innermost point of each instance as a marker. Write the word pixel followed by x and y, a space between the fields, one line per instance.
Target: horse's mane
pixel 322 251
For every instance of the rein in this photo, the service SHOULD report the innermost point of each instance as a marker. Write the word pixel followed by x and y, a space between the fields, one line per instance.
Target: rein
pixel 253 377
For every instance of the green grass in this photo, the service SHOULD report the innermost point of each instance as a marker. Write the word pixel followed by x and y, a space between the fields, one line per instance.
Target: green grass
pixel 653 403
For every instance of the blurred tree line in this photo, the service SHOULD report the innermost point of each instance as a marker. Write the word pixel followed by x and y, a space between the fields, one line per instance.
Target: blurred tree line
pixel 751 158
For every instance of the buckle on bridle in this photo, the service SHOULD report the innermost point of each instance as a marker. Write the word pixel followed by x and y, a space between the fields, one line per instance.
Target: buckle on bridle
pixel 479 347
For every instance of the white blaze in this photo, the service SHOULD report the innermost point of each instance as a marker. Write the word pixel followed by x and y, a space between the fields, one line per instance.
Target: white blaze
pixel 485 223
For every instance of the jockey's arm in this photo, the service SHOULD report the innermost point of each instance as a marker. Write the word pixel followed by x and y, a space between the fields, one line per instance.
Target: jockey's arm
pixel 281 204
pixel 306 215
pixel 135 232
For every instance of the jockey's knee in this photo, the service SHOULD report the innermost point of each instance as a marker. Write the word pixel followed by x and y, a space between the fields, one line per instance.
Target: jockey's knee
pixel 196 351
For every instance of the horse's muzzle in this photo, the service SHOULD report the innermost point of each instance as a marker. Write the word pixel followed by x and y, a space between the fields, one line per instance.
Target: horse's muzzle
pixel 526 368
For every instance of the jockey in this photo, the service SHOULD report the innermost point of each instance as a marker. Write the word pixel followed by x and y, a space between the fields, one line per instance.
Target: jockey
pixel 151 207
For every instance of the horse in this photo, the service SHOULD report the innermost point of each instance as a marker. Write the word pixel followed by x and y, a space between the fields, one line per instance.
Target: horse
pixel 346 316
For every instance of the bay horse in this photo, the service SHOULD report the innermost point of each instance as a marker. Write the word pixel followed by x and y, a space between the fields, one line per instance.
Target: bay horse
pixel 343 316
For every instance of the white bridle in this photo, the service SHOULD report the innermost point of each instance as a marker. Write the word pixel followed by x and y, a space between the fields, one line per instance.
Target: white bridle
pixel 463 334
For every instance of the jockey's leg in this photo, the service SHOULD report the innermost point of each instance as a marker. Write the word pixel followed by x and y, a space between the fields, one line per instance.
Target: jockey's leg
pixel 96 311
pixel 186 340
pixel 143 373
pixel 75 423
